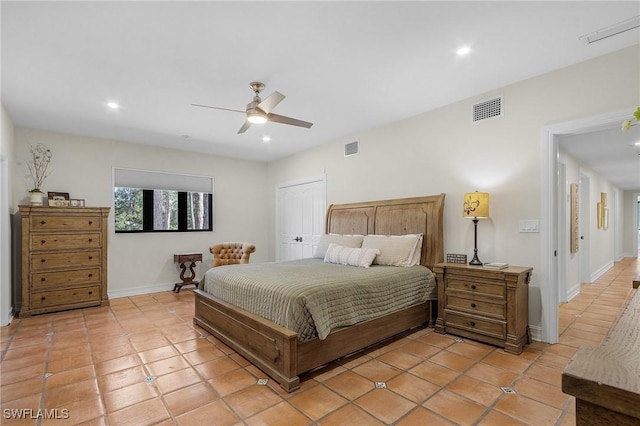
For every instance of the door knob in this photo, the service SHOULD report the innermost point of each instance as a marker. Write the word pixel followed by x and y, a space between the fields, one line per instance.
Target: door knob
pixel 298 239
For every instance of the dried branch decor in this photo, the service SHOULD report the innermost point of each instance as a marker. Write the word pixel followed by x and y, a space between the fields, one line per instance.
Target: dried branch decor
pixel 38 165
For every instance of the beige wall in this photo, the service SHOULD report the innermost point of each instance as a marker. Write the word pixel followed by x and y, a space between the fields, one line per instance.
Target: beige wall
pixel 442 151
pixel 139 263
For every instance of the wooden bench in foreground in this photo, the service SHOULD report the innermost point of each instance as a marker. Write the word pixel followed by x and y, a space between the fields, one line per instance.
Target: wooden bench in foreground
pixel 606 380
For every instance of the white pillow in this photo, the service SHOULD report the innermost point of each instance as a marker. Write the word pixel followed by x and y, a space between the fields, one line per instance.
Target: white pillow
pixel 395 250
pixel 340 239
pixel 350 256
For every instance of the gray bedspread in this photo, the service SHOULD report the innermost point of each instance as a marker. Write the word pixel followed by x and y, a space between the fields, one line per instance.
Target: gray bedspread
pixel 312 298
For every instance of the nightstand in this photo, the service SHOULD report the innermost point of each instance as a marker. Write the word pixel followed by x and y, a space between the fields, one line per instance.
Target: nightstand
pixel 183 259
pixel 488 305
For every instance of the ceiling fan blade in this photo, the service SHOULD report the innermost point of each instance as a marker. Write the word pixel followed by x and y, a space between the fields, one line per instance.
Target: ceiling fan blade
pixel 288 120
pixel 224 109
pixel 268 104
pixel 244 127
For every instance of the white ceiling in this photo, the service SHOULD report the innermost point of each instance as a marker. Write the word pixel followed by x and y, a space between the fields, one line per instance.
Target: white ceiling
pixel 345 66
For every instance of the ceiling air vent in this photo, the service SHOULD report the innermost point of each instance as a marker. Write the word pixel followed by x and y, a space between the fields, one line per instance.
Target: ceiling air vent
pixel 351 148
pixel 487 109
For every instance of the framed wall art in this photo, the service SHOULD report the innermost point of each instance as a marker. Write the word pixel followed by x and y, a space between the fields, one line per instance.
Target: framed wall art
pixel 575 222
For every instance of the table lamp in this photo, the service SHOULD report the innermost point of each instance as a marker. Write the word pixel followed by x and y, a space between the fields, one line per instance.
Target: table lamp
pixel 476 206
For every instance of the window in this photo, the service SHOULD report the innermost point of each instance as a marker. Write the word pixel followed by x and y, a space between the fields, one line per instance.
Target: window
pixel 147 201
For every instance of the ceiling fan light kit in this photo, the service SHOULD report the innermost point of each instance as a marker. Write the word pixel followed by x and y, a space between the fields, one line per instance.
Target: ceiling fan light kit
pixel 258 111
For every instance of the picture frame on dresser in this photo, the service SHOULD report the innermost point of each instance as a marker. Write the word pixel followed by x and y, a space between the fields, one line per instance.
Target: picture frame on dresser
pixel 58 199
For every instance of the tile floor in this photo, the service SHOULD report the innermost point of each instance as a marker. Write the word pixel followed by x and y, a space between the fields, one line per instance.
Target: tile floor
pixel 142 362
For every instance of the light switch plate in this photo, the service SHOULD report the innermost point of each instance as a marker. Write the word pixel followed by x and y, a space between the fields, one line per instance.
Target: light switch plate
pixel 528 226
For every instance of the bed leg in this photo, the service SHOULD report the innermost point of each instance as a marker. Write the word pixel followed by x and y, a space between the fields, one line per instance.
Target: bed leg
pixel 433 306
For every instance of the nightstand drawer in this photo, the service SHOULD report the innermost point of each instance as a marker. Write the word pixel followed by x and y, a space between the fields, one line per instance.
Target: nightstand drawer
pixel 43 299
pixel 65 259
pixel 495 309
pixel 65 241
pixel 50 280
pixel 476 286
pixel 60 223
pixel 475 324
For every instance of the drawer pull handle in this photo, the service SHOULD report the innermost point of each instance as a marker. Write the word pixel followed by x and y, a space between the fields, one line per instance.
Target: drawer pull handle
pixel 90 292
pixel 43 222
pixel 472 324
pixel 90 275
pixel 42 298
pixel 43 241
pixel 473 305
pixel 473 286
pixel 43 279
pixel 43 260
pixel 90 257
pixel 90 239
pixel 90 222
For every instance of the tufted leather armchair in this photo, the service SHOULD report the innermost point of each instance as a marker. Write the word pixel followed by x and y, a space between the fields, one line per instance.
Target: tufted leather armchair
pixel 231 253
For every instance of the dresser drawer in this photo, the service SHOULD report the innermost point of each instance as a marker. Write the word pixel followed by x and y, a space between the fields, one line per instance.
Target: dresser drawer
pixel 476 286
pixel 51 280
pixel 43 299
pixel 496 309
pixel 58 223
pixel 65 241
pixel 475 324
pixel 42 261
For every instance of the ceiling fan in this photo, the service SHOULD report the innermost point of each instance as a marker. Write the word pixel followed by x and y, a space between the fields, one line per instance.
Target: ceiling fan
pixel 259 111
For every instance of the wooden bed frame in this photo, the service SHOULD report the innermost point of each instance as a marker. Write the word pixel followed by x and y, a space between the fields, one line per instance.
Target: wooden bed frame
pixel 276 350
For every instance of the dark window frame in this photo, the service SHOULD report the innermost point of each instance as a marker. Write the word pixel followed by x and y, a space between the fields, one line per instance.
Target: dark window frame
pixel 148 214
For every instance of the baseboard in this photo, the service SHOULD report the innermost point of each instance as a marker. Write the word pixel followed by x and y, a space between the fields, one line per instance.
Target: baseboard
pixel 600 272
pixel 115 294
pixel 536 333
pixel 573 292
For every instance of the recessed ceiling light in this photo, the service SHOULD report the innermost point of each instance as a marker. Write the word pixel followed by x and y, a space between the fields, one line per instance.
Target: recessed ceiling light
pixel 113 105
pixel 464 50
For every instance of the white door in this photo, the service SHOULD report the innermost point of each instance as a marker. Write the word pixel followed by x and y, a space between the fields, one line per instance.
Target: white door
pixel 300 215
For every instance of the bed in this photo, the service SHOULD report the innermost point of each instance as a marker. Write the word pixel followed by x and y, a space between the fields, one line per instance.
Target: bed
pixel 281 352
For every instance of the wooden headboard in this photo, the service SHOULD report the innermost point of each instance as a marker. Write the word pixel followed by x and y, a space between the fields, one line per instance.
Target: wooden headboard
pixel 394 217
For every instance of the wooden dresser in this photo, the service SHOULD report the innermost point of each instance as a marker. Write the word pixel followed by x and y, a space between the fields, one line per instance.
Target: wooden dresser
pixel 64 258
pixel 484 304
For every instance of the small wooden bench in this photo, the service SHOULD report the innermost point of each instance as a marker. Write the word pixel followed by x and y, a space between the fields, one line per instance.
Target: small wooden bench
pixel 606 380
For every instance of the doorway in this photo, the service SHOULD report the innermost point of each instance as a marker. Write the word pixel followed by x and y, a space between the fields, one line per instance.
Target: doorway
pixel 549 268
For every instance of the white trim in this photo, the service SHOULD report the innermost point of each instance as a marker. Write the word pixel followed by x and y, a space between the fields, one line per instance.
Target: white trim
pixel 535 333
pixel 573 292
pixel 155 288
pixel 600 272
pixel 548 223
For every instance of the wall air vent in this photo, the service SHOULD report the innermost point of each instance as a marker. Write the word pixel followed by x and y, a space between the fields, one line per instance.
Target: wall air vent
pixel 487 109
pixel 351 148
